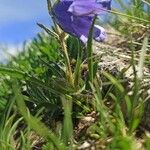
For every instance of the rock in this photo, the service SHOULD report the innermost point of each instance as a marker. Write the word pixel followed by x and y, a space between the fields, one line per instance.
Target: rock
pixel 117 60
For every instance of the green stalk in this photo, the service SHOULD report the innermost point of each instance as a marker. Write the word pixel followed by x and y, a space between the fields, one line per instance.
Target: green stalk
pixel 128 16
pixel 90 53
pixel 69 73
pixel 61 37
pixel 77 71
pixel 67 131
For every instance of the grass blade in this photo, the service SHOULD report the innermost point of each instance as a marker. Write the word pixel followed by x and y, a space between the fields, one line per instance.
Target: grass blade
pixel 34 122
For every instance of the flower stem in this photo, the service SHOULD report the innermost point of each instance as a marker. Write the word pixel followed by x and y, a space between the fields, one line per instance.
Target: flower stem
pixel 61 37
pixel 69 73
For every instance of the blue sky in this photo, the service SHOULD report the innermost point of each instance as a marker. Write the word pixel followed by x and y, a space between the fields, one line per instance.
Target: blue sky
pixel 18 19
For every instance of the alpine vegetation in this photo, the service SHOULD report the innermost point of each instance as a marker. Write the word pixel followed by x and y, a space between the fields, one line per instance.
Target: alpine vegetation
pixel 78 85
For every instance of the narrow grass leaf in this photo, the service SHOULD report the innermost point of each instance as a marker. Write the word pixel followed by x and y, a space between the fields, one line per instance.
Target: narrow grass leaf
pixel 121 89
pixel 67 133
pixel 35 123
pixel 142 58
pixel 50 32
pixel 12 72
pixel 90 52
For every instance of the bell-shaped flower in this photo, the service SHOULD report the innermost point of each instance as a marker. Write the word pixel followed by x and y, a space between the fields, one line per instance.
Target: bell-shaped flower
pixel 76 16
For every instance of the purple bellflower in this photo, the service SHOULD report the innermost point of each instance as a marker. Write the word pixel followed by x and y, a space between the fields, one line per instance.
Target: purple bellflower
pixel 75 17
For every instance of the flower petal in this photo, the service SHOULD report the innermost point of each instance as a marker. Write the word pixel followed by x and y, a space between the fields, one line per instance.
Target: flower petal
pixel 81 26
pixel 99 33
pixel 62 17
pixel 88 7
pixel 84 7
pixel 78 26
pixel 105 3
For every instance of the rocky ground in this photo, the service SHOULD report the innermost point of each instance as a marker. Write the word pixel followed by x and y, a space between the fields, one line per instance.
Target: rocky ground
pixel 114 55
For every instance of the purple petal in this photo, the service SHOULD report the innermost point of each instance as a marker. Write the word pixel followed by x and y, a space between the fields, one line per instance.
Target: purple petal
pixel 63 17
pixel 89 7
pixel 66 0
pixel 105 3
pixel 99 33
pixel 84 7
pixel 81 26
pixel 78 26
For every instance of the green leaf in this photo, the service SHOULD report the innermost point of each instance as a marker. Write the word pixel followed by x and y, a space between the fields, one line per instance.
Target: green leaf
pixel 90 52
pixel 121 89
pixel 12 72
pixel 34 122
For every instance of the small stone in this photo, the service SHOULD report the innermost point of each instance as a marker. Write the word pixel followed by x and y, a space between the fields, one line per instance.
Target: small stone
pixel 84 146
